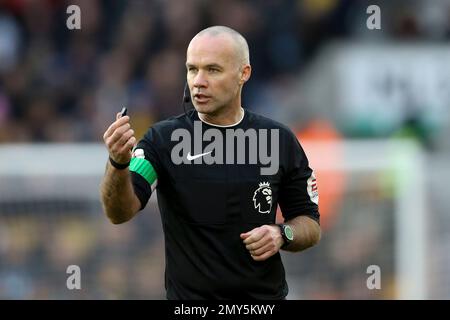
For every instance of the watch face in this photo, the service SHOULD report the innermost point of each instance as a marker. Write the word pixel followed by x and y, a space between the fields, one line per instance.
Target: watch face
pixel 288 232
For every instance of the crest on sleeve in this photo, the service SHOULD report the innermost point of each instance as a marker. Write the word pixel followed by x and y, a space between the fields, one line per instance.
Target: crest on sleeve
pixel 311 187
pixel 262 198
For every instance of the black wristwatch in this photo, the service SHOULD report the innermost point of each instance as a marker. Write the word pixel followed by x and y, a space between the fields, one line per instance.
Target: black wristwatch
pixel 287 234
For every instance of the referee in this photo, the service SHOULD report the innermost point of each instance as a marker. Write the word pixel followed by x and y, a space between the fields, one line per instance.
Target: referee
pixel 218 192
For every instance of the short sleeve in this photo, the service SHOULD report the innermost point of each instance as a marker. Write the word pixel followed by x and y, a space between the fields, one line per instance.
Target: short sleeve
pixel 144 166
pixel 298 191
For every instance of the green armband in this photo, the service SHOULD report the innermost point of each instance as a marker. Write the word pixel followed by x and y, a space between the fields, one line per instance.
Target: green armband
pixel 144 168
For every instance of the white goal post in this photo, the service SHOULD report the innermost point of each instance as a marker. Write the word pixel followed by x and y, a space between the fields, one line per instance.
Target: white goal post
pixel 406 161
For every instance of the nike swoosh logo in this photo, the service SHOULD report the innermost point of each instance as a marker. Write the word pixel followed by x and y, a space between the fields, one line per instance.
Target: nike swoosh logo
pixel 190 158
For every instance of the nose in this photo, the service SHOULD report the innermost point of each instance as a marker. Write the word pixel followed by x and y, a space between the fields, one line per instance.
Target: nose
pixel 200 80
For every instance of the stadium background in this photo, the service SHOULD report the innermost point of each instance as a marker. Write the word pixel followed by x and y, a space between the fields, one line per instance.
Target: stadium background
pixel 371 108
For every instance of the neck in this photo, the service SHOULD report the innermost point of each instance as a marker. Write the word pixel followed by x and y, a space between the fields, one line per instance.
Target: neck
pixel 228 118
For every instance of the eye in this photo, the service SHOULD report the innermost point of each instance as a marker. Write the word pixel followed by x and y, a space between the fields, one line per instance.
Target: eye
pixel 213 70
pixel 192 69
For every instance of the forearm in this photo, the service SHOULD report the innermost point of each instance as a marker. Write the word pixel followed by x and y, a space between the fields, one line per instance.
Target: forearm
pixel 306 233
pixel 119 201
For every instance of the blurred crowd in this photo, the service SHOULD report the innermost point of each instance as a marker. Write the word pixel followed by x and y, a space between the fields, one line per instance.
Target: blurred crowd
pixel 66 85
pixel 40 240
pixel 59 85
pixel 116 262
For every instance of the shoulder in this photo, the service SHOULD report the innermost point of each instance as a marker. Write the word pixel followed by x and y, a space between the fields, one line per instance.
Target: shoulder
pixel 258 121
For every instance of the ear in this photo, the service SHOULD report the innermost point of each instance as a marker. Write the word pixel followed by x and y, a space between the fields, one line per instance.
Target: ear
pixel 245 74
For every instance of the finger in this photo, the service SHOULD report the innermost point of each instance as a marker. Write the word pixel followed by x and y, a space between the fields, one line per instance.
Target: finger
pixel 131 143
pixel 258 244
pixel 109 132
pixel 245 235
pixel 248 233
pixel 116 124
pixel 118 133
pixel 256 235
pixel 128 146
pixel 265 256
pixel 265 248
pixel 125 137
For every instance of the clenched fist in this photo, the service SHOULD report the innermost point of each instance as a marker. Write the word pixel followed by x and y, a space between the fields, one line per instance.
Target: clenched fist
pixel 263 242
pixel 119 139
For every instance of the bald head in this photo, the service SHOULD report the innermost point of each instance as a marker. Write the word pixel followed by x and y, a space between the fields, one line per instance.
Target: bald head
pixel 217 65
pixel 239 42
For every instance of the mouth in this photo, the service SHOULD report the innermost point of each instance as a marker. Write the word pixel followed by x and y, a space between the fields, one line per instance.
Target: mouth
pixel 201 98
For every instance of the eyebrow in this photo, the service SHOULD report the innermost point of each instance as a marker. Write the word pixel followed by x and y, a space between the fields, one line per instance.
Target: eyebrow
pixel 211 65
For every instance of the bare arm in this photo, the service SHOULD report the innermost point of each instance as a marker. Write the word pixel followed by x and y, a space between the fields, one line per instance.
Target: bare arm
pixel 306 233
pixel 119 201
pixel 265 241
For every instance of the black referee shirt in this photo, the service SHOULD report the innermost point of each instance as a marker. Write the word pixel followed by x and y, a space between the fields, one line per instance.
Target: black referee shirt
pixel 209 193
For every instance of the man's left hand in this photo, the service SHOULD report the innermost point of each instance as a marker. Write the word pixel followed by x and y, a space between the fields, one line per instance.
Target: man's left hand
pixel 263 242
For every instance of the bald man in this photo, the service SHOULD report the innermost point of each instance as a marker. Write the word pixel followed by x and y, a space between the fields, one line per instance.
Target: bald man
pixel 220 172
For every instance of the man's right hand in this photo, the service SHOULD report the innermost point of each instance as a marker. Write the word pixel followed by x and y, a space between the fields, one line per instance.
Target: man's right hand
pixel 119 139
